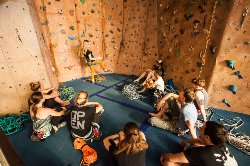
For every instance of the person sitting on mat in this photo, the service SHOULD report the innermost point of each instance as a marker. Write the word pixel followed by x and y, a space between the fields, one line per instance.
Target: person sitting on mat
pixel 51 96
pixel 186 116
pixel 201 96
pixel 211 152
pixel 128 146
pixel 92 61
pixel 46 121
pixel 150 73
pixel 84 118
pixel 152 84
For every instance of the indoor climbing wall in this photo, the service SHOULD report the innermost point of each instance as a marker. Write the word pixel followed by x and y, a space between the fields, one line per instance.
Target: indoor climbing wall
pixel 230 83
pixel 184 27
pixel 21 61
pixel 138 50
pixel 70 26
pixel 196 36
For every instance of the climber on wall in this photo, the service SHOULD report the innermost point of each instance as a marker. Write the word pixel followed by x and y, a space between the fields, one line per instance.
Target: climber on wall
pixel 87 55
pixel 151 73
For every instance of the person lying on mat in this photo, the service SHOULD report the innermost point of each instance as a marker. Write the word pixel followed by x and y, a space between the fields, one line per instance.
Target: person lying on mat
pixel 201 96
pixel 152 85
pixel 151 73
pixel 128 146
pixel 213 152
pixel 177 120
pixel 46 121
pixel 92 61
pixel 84 118
pixel 51 96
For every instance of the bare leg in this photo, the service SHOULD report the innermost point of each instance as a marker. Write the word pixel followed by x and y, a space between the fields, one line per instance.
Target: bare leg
pixel 144 74
pixel 149 75
pixel 161 112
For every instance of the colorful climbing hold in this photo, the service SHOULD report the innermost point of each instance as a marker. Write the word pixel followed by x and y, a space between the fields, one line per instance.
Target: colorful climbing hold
pixel 72 27
pixel 238 74
pixel 233 88
pixel 72 37
pixel 82 1
pixel 225 101
pixel 230 63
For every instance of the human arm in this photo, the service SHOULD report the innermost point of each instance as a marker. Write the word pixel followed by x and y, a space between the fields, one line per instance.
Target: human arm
pixel 164 99
pixel 192 143
pixel 62 102
pixel 52 112
pixel 170 158
pixel 190 125
pixel 54 94
pixel 106 141
pixel 98 106
pixel 199 98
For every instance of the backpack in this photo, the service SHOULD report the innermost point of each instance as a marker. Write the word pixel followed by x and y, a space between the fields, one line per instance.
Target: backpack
pixel 89 154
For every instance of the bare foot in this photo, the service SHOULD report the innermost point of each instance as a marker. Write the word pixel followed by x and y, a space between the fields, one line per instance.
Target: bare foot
pixel 136 80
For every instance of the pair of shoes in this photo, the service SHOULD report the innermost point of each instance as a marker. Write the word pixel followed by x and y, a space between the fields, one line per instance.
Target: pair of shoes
pixel 62 125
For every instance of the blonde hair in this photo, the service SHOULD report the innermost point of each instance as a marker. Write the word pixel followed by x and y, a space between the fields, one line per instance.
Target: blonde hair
pixel 81 98
pixel 198 81
pixel 133 142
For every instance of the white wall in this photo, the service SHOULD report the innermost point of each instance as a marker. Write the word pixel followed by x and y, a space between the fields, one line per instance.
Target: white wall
pixel 21 61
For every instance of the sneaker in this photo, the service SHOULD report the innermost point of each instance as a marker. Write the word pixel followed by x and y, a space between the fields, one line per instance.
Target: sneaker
pixel 62 125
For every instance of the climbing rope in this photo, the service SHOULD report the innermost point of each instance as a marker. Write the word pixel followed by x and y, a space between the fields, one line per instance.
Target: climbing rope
pixel 130 92
pixel 66 93
pixel 47 31
pixel 239 140
pixel 203 54
pixel 13 123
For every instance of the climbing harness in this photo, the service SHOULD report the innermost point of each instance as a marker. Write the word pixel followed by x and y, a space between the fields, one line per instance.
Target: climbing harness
pixel 66 93
pixel 130 92
pixel 239 140
pixel 13 123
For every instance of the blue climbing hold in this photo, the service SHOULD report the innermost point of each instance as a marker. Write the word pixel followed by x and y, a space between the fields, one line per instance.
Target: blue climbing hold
pixel 238 74
pixel 230 63
pixel 225 101
pixel 233 88
pixel 72 37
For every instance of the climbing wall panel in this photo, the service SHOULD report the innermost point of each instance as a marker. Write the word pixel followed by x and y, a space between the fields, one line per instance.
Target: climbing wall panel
pixel 139 40
pixel 235 46
pixel 20 57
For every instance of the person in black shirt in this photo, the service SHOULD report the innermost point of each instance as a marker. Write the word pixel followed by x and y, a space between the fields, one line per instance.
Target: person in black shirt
pixel 84 118
pixel 211 151
pixel 128 146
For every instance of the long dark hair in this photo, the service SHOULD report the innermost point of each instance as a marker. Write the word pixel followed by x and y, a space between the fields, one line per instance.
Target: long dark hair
pixel 36 97
pixel 133 142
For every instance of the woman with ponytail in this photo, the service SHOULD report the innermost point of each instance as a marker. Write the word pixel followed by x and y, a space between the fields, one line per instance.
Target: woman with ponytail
pixel 41 118
pixel 128 146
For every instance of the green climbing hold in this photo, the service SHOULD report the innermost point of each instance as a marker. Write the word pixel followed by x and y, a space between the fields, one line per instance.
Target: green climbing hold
pixel 82 1
pixel 72 27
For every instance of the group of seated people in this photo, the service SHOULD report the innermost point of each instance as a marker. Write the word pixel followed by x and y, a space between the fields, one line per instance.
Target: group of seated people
pixel 177 113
